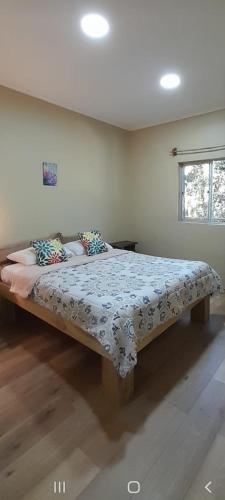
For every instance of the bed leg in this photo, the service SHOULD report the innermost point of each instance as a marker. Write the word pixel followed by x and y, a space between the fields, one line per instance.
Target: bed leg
pixel 117 389
pixel 7 312
pixel 200 313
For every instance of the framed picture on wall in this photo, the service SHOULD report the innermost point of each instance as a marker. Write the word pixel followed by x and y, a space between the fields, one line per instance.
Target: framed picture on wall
pixel 49 173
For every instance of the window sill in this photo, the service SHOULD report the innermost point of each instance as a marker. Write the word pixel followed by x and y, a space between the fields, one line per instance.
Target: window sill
pixel 202 223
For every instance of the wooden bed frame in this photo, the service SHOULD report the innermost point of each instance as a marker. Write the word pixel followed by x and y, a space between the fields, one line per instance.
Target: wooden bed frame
pixel 119 390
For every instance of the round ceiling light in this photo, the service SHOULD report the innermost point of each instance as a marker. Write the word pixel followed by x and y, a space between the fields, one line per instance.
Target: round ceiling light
pixel 94 25
pixel 170 81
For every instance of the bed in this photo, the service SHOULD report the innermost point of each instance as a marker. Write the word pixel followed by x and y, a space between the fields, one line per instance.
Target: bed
pixel 114 303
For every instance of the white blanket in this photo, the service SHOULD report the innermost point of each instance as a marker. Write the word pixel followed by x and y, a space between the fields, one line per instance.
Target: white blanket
pixel 120 299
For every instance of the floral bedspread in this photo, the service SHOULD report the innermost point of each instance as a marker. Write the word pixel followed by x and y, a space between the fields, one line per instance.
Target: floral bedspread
pixel 122 298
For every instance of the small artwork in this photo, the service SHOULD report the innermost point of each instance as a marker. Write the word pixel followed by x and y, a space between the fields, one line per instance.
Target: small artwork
pixel 49 174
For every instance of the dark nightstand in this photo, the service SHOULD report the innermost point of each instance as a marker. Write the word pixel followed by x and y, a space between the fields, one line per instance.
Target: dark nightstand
pixel 124 245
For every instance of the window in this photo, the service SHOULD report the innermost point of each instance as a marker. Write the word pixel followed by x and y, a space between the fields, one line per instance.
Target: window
pixel 202 191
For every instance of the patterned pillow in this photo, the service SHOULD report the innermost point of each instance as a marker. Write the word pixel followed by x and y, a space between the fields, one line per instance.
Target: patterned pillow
pixel 93 242
pixel 49 252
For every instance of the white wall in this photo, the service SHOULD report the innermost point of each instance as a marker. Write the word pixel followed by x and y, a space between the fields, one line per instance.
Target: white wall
pixel 154 187
pixel 91 158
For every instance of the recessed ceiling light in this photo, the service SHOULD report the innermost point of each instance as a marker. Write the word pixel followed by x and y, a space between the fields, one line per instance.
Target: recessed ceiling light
pixel 170 81
pixel 95 25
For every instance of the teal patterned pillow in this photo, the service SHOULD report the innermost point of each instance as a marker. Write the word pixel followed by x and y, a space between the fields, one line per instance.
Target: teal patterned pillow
pixel 93 242
pixel 49 252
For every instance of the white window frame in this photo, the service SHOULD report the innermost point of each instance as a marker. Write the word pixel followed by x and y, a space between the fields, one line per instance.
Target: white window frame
pixel 209 219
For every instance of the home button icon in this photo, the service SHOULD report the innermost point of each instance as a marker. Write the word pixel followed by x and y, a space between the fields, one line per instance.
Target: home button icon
pixel 133 487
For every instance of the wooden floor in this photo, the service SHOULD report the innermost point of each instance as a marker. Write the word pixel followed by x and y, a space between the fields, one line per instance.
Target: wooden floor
pixel 56 426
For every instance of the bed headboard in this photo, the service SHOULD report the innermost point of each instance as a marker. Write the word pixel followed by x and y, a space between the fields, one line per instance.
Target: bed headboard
pixel 65 239
pixel 24 244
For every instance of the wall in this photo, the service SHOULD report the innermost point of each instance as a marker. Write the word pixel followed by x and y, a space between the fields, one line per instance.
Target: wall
pixel 154 190
pixel 125 184
pixel 91 158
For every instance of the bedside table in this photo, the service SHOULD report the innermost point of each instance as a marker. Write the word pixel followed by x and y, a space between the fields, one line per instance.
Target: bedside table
pixel 124 245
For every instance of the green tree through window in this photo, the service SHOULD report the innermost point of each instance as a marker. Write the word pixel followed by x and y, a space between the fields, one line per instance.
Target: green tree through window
pixel 202 196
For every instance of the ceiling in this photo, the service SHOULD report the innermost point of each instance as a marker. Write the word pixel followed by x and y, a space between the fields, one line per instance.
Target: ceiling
pixel 44 53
